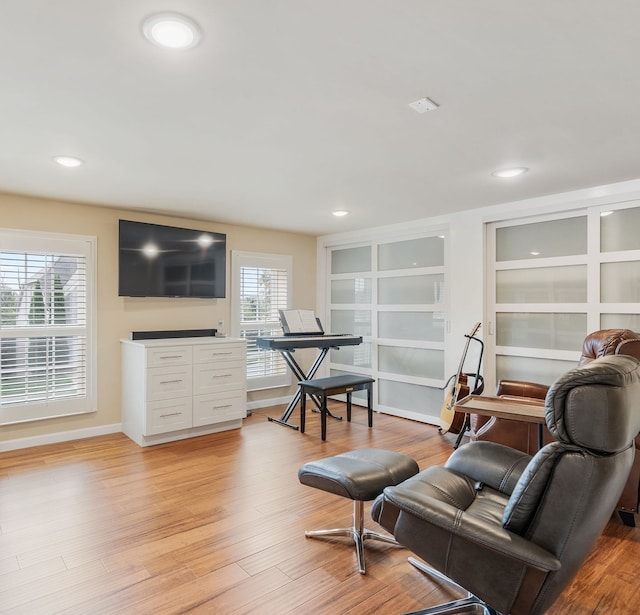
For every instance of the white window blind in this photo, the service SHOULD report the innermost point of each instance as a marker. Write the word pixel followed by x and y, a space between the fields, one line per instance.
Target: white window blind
pixel 261 288
pixel 45 327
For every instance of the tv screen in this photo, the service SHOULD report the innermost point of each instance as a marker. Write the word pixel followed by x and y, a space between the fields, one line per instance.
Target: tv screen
pixel 167 261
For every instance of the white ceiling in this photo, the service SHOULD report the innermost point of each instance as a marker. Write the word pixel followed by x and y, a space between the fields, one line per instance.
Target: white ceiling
pixel 289 109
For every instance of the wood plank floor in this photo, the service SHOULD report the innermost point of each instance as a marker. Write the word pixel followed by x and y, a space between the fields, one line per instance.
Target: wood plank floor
pixel 216 525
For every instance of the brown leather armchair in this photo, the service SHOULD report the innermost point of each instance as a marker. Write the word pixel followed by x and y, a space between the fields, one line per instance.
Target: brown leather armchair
pixel 524 436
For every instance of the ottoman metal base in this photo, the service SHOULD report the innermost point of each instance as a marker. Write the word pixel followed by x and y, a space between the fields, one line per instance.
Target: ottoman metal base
pixel 358 532
pixel 360 475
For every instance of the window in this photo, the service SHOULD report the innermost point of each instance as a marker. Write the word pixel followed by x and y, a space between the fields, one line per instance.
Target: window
pixel 261 287
pixel 46 326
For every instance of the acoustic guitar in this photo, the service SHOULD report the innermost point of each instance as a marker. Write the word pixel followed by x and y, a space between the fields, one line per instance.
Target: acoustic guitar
pixel 450 420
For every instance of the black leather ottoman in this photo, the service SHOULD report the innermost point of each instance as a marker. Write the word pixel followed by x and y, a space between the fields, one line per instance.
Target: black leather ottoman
pixel 361 476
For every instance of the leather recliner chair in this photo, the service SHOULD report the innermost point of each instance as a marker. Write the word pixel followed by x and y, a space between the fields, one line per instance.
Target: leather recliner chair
pixel 524 436
pixel 512 529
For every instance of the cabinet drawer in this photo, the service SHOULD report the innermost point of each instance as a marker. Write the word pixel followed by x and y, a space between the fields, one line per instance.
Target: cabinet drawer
pixel 169 382
pixel 168 415
pixel 220 407
pixel 169 355
pixel 213 377
pixel 218 353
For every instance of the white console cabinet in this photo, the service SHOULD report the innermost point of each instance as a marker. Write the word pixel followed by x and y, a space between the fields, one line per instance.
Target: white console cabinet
pixel 183 387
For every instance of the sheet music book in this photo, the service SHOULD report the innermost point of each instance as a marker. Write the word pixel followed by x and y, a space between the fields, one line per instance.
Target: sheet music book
pixel 300 322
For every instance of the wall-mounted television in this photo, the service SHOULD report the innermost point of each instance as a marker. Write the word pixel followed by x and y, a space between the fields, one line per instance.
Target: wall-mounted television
pixel 168 261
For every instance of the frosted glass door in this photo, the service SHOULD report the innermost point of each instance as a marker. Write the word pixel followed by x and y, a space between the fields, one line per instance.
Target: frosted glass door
pixel 403 325
pixel 351 260
pixel 557 280
pixel 393 295
pixel 411 254
pixel 619 230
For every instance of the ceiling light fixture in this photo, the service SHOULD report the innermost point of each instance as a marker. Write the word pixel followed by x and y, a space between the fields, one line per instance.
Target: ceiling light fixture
pixel 604 214
pixel 513 172
pixel 171 30
pixel 68 161
pixel 339 213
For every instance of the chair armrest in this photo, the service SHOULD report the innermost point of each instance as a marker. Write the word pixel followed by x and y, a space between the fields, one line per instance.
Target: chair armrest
pixel 490 463
pixel 521 388
pixel 476 530
pixel 630 347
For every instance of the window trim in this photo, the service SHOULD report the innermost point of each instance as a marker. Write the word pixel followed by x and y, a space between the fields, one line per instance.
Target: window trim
pixel 240 259
pixel 67 244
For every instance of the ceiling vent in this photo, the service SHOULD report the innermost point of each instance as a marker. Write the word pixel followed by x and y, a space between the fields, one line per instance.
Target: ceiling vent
pixel 423 105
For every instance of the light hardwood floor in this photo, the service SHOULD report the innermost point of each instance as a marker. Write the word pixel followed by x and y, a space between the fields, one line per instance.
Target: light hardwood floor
pixel 216 525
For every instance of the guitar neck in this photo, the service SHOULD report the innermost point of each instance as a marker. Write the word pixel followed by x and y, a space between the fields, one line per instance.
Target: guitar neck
pixel 466 350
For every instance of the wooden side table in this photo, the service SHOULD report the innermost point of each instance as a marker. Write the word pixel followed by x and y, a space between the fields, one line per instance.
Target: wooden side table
pixel 527 409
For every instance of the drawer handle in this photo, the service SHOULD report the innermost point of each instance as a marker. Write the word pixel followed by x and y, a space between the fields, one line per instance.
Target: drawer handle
pixel 222 375
pixel 171 381
pixel 172 356
pixel 164 416
pixel 220 407
pixel 217 354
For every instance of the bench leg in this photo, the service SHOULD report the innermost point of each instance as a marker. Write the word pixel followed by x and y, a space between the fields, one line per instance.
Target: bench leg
pixel 323 417
pixel 369 405
pixel 303 410
pixel 349 406
pixel 627 518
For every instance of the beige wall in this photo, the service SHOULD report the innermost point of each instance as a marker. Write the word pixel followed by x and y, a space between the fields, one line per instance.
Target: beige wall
pixel 117 316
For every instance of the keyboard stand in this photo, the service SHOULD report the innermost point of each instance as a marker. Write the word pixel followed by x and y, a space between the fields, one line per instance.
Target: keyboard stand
pixel 298 372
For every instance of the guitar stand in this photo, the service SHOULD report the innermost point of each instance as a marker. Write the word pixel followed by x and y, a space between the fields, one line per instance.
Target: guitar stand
pixel 478 382
pixel 466 426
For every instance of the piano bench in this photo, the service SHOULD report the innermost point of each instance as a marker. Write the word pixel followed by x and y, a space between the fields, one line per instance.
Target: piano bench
pixel 334 385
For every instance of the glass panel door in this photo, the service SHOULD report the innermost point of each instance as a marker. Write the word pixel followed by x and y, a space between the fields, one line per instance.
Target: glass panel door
pixel 553 281
pixel 393 294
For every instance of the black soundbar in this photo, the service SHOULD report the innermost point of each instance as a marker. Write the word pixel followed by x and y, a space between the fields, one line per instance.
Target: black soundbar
pixel 153 335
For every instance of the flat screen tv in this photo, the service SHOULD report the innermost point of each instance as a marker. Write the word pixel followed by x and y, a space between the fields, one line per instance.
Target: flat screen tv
pixel 167 261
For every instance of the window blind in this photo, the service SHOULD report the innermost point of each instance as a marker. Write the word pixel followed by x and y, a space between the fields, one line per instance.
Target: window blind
pixel 44 335
pixel 263 289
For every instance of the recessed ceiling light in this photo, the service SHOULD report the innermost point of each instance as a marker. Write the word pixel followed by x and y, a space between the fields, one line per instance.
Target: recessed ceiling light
pixel 340 212
pixel 513 172
pixel 68 161
pixel 605 213
pixel 171 30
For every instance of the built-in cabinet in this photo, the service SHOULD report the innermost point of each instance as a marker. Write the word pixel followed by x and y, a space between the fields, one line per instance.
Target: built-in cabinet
pixel 180 388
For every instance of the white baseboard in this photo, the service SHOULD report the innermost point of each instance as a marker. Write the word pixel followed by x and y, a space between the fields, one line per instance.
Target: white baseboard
pixel 265 403
pixel 61 436
pixel 77 434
